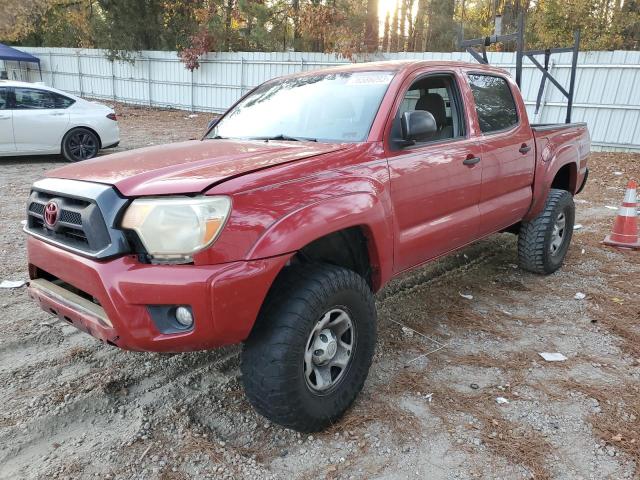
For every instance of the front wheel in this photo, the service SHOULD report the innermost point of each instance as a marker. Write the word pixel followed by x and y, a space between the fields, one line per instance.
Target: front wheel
pixel 309 354
pixel 543 242
pixel 80 144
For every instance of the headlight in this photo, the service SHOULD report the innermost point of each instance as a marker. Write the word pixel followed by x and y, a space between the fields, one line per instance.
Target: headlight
pixel 174 228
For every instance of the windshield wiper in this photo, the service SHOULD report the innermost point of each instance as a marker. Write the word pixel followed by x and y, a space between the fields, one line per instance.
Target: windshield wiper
pixel 287 138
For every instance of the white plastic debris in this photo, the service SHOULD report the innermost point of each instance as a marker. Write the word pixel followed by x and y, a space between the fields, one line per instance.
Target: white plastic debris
pixel 617 173
pixel 429 397
pixel 582 251
pixel 466 295
pixel 407 331
pixel 611 207
pixel 553 357
pixel 501 401
pixel 193 115
pixel 577 226
pixel 579 296
pixel 12 283
pixel 23 222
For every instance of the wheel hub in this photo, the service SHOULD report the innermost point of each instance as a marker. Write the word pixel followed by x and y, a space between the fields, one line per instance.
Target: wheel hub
pixel 325 347
pixel 329 350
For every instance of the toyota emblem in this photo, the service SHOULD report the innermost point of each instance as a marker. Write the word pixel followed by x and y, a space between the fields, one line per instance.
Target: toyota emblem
pixel 51 214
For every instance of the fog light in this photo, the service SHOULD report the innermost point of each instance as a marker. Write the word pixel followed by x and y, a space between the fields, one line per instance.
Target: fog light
pixel 184 316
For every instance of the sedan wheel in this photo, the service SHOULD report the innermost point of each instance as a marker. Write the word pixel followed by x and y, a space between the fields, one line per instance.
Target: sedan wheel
pixel 80 144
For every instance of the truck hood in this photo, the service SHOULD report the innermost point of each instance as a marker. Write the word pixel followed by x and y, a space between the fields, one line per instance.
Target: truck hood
pixel 187 167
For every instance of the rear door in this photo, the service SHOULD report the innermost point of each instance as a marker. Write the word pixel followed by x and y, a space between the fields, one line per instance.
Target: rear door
pixel 508 152
pixel 435 189
pixel 39 122
pixel 7 145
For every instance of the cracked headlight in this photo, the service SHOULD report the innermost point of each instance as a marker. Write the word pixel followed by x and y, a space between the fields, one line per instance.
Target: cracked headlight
pixel 174 228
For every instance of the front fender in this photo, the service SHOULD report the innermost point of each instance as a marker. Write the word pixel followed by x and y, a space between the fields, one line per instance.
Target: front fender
pixel 360 209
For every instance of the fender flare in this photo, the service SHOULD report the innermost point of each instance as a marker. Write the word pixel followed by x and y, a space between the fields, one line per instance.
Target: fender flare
pixel 313 221
pixel 550 165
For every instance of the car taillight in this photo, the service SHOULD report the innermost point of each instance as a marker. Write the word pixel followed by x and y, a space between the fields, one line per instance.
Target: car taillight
pixel 112 116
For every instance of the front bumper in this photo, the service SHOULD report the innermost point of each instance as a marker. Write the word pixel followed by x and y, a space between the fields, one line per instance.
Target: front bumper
pixel 225 299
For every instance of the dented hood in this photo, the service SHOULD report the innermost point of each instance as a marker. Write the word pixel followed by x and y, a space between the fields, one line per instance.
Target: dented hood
pixel 187 167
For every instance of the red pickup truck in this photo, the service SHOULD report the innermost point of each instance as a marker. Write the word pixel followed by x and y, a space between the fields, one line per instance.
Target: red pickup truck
pixel 304 199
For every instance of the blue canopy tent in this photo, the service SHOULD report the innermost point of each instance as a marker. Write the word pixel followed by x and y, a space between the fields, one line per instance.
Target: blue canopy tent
pixel 11 54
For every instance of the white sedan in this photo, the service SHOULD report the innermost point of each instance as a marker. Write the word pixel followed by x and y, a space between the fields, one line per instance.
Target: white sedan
pixel 39 120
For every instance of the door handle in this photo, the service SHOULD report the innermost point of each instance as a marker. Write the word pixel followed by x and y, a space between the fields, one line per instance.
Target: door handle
pixel 471 160
pixel 524 148
pixel 56 114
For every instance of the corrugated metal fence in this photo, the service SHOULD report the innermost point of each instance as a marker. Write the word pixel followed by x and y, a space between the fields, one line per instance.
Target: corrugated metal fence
pixel 607 88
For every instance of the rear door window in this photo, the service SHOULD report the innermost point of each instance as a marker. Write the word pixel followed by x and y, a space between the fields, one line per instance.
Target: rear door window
pixel 60 101
pixel 494 102
pixel 33 99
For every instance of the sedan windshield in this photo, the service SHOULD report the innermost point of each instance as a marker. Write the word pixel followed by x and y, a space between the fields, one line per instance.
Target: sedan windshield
pixel 333 107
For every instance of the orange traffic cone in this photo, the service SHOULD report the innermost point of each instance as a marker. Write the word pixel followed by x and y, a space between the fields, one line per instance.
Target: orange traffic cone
pixel 625 227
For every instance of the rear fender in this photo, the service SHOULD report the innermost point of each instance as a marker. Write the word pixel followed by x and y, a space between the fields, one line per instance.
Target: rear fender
pixel 547 168
pixel 311 222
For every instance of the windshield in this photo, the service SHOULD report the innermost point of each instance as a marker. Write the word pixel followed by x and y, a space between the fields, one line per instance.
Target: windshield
pixel 334 107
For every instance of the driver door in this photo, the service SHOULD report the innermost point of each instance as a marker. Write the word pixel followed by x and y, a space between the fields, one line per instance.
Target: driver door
pixel 436 183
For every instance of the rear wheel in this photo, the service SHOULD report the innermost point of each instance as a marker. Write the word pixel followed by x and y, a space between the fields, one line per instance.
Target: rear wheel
pixel 544 241
pixel 80 144
pixel 309 354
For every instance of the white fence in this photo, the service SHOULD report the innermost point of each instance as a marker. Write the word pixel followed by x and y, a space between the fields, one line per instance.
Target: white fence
pixel 607 83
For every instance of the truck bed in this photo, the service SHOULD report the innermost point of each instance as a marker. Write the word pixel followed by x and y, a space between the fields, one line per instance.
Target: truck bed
pixel 541 127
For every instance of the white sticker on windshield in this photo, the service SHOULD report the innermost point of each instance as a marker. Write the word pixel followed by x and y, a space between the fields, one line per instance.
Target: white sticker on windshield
pixel 370 78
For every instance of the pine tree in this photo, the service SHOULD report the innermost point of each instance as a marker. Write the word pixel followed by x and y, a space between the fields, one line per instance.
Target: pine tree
pixel 371 28
pixel 385 38
pixel 393 38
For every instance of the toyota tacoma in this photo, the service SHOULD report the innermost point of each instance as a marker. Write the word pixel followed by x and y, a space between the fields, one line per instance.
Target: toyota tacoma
pixel 305 198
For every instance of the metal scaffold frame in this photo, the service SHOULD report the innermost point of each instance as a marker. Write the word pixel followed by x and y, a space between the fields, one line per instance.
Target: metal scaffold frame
pixel 472 45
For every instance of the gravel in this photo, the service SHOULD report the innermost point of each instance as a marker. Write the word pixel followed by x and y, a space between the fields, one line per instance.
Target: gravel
pixel 71 407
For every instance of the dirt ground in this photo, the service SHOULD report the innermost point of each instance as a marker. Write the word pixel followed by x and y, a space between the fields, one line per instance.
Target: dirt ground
pixel 71 407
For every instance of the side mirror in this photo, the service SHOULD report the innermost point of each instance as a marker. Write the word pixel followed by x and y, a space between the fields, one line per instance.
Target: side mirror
pixel 417 125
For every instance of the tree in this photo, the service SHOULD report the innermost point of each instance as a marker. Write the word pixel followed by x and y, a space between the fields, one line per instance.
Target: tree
pixel 347 27
pixel 403 26
pixel 441 32
pixel 385 38
pixel 371 31
pixel 627 21
pixel 133 25
pixel 20 18
pixel 416 43
pixel 57 23
pixel 393 39
pixel 295 9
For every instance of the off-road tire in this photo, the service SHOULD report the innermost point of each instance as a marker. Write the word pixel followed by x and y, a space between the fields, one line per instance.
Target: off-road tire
pixel 534 240
pixel 69 142
pixel 272 363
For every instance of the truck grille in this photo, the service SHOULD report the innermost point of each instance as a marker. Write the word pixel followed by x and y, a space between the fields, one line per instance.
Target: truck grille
pixel 83 219
pixel 69 229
